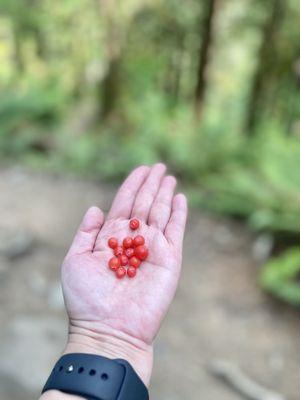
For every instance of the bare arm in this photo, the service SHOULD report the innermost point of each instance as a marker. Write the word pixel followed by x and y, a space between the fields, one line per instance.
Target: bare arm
pixel 120 319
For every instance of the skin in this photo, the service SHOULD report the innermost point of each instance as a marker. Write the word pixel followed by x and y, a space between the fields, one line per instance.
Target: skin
pixel 120 318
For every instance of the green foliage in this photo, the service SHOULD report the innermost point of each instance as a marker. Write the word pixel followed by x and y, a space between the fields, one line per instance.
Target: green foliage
pixel 24 115
pixel 280 276
pixel 135 66
pixel 261 184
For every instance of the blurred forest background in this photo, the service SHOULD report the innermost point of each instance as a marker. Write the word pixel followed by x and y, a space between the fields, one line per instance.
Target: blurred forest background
pixel 212 87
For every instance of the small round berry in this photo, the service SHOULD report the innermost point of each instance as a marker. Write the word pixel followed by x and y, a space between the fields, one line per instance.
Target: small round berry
pixel 120 272
pixel 131 272
pixel 127 242
pixel 123 260
pixel 134 224
pixel 114 263
pixel 141 252
pixel 118 251
pixel 134 262
pixel 112 242
pixel 139 240
pixel 129 252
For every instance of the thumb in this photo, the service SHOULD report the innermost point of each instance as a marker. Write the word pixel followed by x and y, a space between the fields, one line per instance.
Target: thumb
pixel 87 233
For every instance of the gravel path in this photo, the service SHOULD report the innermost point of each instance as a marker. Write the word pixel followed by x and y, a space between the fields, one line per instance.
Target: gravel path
pixel 219 311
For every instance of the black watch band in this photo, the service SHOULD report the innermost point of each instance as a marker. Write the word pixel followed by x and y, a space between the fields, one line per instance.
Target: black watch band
pixel 96 378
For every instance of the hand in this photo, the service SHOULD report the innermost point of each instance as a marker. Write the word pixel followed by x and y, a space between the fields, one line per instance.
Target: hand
pixel 120 318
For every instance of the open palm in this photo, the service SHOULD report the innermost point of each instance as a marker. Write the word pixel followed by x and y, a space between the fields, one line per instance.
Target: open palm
pixel 135 307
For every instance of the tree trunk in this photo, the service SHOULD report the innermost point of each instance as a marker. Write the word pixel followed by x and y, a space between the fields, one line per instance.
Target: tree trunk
pixel 18 53
pixel 39 38
pixel 207 38
pixel 110 88
pixel 293 121
pixel 172 78
pixel 266 62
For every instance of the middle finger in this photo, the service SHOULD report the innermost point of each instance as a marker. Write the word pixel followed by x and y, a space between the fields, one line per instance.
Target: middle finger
pixel 147 192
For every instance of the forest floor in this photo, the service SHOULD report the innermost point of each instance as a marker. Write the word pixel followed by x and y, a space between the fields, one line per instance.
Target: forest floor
pixel 219 311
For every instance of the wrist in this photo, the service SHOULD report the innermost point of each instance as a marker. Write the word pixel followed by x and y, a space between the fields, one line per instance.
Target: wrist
pixel 102 340
pixel 57 395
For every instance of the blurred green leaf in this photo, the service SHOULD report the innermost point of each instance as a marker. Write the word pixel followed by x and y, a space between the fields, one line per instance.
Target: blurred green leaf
pixel 280 276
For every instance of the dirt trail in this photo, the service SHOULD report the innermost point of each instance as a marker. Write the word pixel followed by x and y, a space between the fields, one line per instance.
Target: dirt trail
pixel 218 312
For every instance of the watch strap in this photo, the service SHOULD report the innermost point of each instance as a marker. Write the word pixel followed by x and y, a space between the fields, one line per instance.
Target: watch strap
pixel 96 378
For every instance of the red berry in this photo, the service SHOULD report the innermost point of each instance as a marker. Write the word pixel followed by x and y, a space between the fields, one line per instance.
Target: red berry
pixel 120 272
pixel 134 224
pixel 141 252
pixel 134 262
pixel 118 251
pixel 112 242
pixel 131 272
pixel 139 240
pixel 129 252
pixel 114 263
pixel 127 242
pixel 123 260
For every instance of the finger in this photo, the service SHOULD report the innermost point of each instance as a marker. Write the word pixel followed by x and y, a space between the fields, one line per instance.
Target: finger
pixel 85 238
pixel 147 192
pixel 175 228
pixel 161 208
pixel 124 199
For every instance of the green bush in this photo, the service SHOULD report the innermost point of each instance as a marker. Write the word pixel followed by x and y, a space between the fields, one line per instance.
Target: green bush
pixel 27 117
pixel 280 276
pixel 260 183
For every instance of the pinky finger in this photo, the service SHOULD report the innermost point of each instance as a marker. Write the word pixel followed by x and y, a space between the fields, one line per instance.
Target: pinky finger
pixel 175 228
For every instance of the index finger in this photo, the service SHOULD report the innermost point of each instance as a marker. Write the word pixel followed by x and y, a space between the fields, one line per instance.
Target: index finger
pixel 175 228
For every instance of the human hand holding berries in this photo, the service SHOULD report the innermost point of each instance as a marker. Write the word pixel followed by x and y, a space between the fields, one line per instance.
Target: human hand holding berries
pixel 119 318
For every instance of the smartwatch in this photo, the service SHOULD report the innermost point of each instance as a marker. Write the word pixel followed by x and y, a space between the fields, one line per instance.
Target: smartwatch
pixel 96 378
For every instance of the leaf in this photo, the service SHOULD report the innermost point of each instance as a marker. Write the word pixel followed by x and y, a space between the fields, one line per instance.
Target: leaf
pixel 279 276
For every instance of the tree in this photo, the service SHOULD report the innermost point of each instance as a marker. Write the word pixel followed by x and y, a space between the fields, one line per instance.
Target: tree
pixel 206 35
pixel 117 16
pixel 266 65
pixel 27 22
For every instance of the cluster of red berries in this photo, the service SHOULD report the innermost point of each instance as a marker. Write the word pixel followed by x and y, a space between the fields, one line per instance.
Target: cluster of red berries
pixel 129 255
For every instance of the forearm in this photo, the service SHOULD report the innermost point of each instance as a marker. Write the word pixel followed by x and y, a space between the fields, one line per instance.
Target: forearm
pixel 107 343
